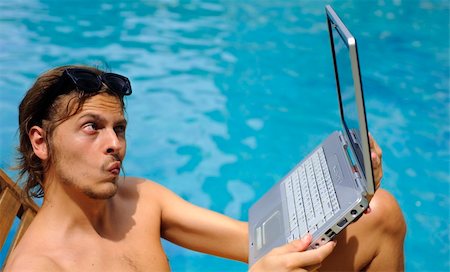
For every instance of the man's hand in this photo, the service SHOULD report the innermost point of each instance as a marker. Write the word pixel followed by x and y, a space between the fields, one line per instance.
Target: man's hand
pixel 293 257
pixel 376 154
pixel 377 167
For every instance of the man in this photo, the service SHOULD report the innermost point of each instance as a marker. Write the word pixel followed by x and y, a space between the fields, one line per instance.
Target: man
pixel 72 144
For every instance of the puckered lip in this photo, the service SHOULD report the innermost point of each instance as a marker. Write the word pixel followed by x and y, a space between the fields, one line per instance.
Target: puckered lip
pixel 114 168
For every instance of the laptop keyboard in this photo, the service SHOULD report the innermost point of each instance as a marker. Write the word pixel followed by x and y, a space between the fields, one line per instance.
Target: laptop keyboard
pixel 310 195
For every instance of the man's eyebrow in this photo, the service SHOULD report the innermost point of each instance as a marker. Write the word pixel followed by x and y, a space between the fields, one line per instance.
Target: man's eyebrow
pixel 123 122
pixel 100 118
pixel 96 117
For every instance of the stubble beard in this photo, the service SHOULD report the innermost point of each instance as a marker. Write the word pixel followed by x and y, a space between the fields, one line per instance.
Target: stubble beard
pixel 64 173
pixel 89 191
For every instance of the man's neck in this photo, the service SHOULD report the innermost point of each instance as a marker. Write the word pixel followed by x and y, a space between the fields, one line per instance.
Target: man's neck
pixel 74 209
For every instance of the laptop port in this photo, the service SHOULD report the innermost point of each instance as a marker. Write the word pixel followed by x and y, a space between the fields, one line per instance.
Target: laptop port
pixel 342 223
pixel 330 233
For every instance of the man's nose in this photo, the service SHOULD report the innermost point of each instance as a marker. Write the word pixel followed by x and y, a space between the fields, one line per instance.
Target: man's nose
pixel 112 142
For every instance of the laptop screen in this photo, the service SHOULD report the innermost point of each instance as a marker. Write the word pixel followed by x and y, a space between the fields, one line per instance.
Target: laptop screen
pixel 347 93
pixel 351 100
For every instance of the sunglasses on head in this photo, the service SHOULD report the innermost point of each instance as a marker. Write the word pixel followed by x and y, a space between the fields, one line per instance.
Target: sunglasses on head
pixel 86 81
pixel 89 81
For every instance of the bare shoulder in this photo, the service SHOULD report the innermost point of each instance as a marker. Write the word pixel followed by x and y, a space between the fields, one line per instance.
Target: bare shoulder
pixel 143 190
pixel 35 252
pixel 31 262
pixel 135 185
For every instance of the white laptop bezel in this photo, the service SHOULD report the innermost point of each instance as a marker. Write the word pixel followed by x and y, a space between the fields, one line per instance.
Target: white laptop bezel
pixel 333 18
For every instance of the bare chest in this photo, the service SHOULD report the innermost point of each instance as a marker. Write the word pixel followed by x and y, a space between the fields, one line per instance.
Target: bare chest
pixel 122 256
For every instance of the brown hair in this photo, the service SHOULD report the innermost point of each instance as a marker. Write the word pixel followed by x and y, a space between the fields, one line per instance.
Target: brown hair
pixel 37 110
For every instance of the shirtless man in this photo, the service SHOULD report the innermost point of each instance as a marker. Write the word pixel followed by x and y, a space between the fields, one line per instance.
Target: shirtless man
pixel 72 144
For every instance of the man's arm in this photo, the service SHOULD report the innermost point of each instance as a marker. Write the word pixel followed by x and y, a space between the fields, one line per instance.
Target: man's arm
pixel 206 231
pixel 200 229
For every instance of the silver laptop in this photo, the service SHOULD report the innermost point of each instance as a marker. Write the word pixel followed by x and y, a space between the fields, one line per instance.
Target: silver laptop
pixel 332 186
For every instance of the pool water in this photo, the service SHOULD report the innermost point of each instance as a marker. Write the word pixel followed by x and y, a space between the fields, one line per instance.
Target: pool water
pixel 229 95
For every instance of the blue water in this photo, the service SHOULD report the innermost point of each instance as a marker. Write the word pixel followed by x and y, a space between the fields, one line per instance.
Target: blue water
pixel 229 95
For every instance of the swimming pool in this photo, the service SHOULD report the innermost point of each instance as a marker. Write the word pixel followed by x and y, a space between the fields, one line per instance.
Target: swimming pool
pixel 228 96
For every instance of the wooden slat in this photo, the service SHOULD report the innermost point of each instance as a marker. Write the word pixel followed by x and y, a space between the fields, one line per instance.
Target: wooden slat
pixel 5 181
pixel 26 219
pixel 4 177
pixel 9 206
pixel 14 202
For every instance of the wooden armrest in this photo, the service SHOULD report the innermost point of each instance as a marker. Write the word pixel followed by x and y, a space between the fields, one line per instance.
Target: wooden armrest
pixel 14 203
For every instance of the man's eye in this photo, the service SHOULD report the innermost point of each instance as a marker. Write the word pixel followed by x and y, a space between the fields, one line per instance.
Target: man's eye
pixel 90 126
pixel 120 129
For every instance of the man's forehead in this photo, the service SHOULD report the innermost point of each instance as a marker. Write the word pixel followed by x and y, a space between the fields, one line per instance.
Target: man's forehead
pixel 100 104
pixel 103 102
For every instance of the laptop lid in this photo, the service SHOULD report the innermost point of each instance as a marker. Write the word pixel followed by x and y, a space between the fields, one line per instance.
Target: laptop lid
pixel 350 94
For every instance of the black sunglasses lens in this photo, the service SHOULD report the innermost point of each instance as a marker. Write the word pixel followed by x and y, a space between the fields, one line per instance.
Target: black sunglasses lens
pixel 88 81
pixel 117 83
pixel 85 80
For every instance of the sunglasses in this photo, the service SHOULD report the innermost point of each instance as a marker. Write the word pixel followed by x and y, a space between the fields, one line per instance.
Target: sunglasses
pixel 86 81
pixel 90 82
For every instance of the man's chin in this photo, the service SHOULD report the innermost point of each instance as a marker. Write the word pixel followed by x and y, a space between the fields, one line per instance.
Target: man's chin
pixel 107 192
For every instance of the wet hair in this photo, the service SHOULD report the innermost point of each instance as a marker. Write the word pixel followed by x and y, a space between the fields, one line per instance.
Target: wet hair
pixel 37 109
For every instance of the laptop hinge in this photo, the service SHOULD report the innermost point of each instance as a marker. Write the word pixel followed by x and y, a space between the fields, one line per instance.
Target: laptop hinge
pixel 359 183
pixel 343 141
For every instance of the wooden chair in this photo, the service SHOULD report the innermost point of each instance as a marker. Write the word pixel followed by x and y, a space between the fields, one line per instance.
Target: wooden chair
pixel 13 203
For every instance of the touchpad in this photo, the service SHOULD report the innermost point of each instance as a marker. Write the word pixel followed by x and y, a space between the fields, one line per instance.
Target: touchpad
pixel 272 228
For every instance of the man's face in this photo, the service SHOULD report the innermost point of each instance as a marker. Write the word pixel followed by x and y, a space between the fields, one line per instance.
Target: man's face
pixel 88 148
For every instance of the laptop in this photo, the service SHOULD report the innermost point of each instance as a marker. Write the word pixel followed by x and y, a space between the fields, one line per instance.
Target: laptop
pixel 332 186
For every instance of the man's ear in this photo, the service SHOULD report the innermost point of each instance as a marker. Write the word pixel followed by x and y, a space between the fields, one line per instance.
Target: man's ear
pixel 37 139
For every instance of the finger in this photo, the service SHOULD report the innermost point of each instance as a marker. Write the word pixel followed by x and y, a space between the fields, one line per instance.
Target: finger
pixel 312 257
pixel 299 270
pixel 375 159
pixel 313 267
pixel 375 155
pixel 295 246
pixel 377 148
pixel 377 173
pixel 316 256
pixel 377 169
pixel 371 141
pixel 376 163
pixel 374 145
